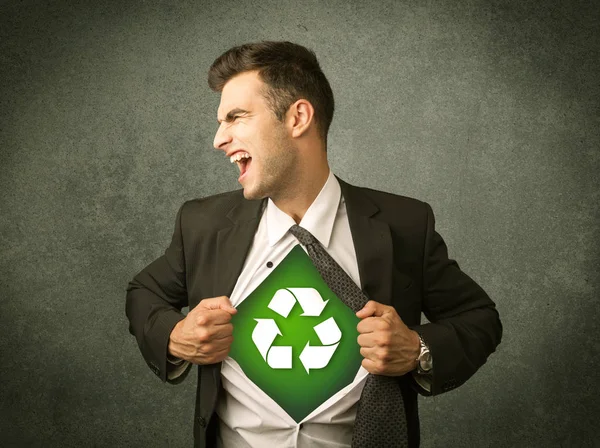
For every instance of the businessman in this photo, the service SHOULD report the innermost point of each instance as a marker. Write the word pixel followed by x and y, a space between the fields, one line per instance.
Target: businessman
pixel 275 111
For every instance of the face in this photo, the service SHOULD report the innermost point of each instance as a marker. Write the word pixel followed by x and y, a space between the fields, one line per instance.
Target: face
pixel 251 135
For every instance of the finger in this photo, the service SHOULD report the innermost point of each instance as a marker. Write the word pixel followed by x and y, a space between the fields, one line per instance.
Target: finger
pixel 368 353
pixel 369 325
pixel 224 353
pixel 215 303
pixel 222 332
pixel 213 357
pixel 210 345
pixel 216 345
pixel 372 308
pixel 365 340
pixel 370 366
pixel 207 318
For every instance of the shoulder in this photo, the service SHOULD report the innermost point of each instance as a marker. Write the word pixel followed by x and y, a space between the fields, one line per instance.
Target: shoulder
pixel 391 207
pixel 385 199
pixel 217 211
pixel 217 204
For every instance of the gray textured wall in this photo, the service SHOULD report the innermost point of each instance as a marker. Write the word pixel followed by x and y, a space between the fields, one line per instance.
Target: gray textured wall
pixel 487 110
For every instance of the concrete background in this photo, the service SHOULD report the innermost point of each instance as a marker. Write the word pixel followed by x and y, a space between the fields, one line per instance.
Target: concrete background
pixel 489 111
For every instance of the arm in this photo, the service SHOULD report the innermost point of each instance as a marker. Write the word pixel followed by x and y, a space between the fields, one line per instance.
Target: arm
pixel 169 341
pixel 154 301
pixel 465 327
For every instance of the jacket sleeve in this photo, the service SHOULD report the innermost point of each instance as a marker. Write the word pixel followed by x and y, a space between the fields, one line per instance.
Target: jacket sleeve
pixel 464 326
pixel 154 301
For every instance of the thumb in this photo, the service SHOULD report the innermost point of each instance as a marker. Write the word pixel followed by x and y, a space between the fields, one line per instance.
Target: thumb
pixel 371 308
pixel 217 303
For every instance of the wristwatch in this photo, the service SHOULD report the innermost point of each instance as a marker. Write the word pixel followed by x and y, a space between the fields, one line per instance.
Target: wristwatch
pixel 424 361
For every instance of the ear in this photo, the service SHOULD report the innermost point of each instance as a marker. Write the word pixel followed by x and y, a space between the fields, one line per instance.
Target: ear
pixel 300 117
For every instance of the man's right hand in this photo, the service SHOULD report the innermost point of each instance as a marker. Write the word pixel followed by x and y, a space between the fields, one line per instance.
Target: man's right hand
pixel 204 336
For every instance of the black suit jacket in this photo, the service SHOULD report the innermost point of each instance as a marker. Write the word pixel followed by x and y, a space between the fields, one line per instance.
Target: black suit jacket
pixel 402 261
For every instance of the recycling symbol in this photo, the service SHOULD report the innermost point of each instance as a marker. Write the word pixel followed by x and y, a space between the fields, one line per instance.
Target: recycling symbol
pixel 304 309
pixel 312 357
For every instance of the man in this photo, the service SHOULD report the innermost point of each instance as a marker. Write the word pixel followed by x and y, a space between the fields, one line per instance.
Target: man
pixel 275 111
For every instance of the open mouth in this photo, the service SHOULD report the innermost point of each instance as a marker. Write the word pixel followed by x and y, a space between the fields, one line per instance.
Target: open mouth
pixel 243 160
pixel 244 165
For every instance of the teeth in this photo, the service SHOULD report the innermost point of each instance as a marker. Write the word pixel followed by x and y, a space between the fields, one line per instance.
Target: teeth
pixel 239 156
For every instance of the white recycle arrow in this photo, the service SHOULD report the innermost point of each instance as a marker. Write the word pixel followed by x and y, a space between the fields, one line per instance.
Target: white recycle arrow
pixel 317 357
pixel 310 300
pixel 328 332
pixel 263 335
pixel 282 302
pixel 280 357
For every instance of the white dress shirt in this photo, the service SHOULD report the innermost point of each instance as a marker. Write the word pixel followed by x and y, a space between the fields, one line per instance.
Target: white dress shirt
pixel 249 417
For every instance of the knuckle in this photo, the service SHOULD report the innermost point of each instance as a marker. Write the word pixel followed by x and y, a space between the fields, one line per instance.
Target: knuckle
pixel 203 335
pixel 384 355
pixel 383 339
pixel 384 325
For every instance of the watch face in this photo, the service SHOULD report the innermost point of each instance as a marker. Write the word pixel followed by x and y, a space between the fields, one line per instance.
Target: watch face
pixel 425 362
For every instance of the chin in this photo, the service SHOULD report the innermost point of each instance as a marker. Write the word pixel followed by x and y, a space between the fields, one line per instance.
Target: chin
pixel 252 195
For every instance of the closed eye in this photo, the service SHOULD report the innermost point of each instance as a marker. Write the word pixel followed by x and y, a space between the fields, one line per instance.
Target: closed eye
pixel 232 115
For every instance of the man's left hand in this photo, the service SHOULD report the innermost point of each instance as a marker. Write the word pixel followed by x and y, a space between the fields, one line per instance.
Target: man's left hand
pixel 388 346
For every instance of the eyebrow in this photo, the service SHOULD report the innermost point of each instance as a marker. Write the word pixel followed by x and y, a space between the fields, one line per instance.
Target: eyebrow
pixel 232 113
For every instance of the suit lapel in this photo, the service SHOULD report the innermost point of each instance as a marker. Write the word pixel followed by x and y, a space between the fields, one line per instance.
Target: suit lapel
pixel 233 245
pixel 234 242
pixel 372 242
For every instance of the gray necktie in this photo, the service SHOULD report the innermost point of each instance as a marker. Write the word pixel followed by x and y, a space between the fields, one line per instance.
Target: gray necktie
pixel 380 418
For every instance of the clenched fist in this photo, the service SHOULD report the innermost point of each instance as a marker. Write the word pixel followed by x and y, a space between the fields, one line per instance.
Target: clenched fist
pixel 388 346
pixel 205 335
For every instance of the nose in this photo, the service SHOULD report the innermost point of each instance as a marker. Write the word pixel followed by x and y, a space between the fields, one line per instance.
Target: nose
pixel 222 138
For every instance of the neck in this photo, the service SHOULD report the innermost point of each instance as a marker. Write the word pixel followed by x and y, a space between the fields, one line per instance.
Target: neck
pixel 308 189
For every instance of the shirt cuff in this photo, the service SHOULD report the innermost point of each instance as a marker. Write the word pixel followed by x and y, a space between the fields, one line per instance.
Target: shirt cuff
pixel 175 367
pixel 423 380
pixel 173 360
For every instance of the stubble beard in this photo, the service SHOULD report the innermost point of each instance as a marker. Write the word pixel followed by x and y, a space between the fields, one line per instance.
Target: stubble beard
pixel 278 173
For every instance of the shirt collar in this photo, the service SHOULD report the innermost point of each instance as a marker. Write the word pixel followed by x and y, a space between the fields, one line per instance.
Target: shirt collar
pixel 318 219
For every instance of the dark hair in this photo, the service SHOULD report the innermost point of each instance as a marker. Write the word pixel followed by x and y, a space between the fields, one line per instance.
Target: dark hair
pixel 290 72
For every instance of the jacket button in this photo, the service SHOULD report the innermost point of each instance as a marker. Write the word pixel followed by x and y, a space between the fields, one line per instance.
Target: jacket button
pixel 202 421
pixel 154 368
